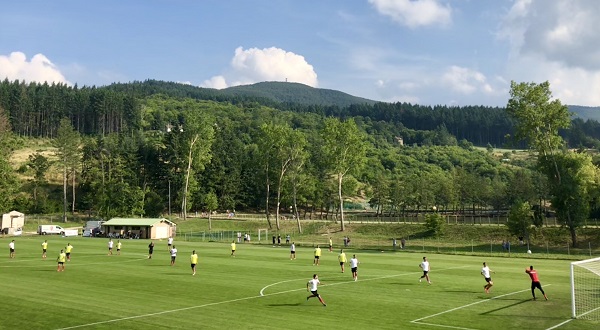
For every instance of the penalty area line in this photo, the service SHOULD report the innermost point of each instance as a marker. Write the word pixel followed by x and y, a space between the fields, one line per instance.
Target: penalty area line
pixel 225 302
pixel 461 307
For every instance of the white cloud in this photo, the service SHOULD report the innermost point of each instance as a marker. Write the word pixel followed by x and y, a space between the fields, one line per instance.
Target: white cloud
pixel 415 13
pixel 40 69
pixel 268 64
pixel 556 41
pixel 465 80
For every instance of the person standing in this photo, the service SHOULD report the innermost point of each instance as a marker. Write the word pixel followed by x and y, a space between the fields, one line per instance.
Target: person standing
pixel 173 255
pixel 354 267
pixel 342 259
pixel 287 239
pixel 62 257
pixel 44 248
pixel 278 240
pixel 194 261
pixel 317 256
pixel 312 286
pixel 170 242
pixel 535 282
pixel 485 271
pixel 110 246
pixel 150 249
pixel 233 249
pixel 68 250
pixel 11 249
pixel 119 247
pixel 426 268
pixel 293 251
pixel 330 245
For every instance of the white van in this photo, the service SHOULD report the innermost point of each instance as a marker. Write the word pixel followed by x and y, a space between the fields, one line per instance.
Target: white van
pixel 50 229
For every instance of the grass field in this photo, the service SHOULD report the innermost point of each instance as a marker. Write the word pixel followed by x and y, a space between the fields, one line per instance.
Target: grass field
pixel 129 291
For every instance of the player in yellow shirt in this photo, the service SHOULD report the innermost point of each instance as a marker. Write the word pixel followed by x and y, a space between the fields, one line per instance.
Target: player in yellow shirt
pixel 62 257
pixel 194 261
pixel 68 250
pixel 317 256
pixel 342 259
pixel 330 245
pixel 233 249
pixel 44 249
pixel 119 247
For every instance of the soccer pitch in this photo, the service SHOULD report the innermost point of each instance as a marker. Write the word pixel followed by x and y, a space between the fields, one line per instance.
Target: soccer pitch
pixel 261 288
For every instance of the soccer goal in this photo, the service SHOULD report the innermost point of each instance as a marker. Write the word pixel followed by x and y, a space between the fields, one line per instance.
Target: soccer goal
pixel 264 233
pixel 585 289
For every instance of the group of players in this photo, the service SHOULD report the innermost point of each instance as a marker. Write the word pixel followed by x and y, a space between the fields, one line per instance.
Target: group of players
pixel 312 285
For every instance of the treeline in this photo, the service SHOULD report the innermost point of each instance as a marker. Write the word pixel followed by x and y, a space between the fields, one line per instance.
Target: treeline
pixel 35 110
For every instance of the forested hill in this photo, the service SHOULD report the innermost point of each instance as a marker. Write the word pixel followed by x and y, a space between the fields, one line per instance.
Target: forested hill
pixel 295 93
pixel 585 113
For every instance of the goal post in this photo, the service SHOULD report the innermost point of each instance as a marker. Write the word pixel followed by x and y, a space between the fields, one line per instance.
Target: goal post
pixel 585 288
pixel 264 232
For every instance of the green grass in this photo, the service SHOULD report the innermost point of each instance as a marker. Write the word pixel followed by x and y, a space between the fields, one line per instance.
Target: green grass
pixel 131 292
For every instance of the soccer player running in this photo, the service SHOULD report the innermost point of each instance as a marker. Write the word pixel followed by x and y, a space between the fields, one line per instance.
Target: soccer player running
pixel 194 261
pixel 233 249
pixel 169 243
pixel 535 282
pixel 312 284
pixel 485 271
pixel 173 255
pixel 62 257
pixel 44 249
pixel 354 267
pixel 342 259
pixel 317 256
pixel 68 250
pixel 426 268
pixel 293 251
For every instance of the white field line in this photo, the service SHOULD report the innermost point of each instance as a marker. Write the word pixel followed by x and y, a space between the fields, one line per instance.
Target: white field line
pixel 230 301
pixel 468 305
pixel 443 326
pixel 560 324
pixel 569 320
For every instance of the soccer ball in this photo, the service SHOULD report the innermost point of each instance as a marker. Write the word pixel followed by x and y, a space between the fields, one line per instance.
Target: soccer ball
pixel 528 251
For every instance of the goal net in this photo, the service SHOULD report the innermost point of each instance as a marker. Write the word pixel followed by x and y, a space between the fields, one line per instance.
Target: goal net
pixel 585 289
pixel 262 234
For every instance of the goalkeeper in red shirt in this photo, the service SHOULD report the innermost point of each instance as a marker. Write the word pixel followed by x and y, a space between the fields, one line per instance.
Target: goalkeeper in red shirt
pixel 535 281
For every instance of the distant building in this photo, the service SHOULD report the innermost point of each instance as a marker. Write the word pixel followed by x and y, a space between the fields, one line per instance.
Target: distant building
pixel 154 228
pixel 11 221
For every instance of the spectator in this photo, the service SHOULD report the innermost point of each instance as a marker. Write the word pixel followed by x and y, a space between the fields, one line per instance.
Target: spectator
pixel 394 243
pixel 402 243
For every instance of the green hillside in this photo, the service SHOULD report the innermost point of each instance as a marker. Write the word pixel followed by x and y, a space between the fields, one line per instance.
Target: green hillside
pixel 285 92
pixel 585 113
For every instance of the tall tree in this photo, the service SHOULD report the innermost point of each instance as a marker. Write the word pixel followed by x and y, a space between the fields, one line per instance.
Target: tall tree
pixel 344 150
pixel 539 119
pixel 67 150
pixel 8 180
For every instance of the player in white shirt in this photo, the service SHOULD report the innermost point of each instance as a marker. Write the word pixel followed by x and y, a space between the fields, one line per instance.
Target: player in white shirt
pixel 485 271
pixel 169 243
pixel 354 267
pixel 312 287
pixel 425 267
pixel 173 255
pixel 11 248
pixel 293 251
pixel 110 246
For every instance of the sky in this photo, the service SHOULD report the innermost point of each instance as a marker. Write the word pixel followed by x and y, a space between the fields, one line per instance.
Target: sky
pixel 428 52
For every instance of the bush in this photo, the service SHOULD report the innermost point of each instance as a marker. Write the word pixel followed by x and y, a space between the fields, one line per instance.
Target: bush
pixel 435 223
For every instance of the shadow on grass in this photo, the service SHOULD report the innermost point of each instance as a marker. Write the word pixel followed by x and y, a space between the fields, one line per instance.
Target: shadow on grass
pixel 504 307
pixel 285 305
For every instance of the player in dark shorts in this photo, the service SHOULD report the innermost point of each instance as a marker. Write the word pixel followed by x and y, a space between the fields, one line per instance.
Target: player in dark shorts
pixel 150 249
pixel 535 282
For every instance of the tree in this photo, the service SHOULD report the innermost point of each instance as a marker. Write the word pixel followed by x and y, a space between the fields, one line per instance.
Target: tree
pixel 7 176
pixel 344 150
pixel 40 165
pixel 520 219
pixel 67 150
pixel 539 119
pixel 211 204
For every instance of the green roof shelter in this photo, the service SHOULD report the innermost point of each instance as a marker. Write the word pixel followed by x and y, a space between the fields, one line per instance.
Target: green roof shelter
pixel 153 228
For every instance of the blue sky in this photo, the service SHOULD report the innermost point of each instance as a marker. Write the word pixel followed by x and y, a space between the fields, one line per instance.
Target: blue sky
pixel 454 52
